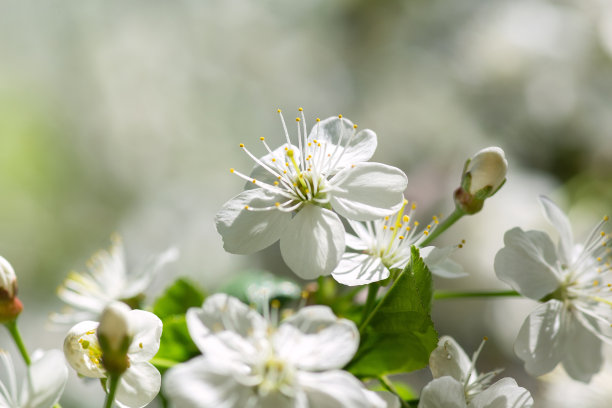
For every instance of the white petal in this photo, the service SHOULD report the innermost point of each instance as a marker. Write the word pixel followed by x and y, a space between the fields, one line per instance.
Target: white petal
pixel 138 386
pixel 438 262
pixel 333 389
pixel 359 269
pixel 146 329
pixel 526 263
pixel 315 339
pixel 540 342
pixel 246 232
pixel 200 383
pixel 46 380
pixel 354 242
pixel 558 219
pixel 505 393
pixel 443 392
pixel 224 326
pixel 449 359
pixel 81 338
pixel 313 243
pixel 363 235
pixel 583 358
pixel 337 132
pixel 368 191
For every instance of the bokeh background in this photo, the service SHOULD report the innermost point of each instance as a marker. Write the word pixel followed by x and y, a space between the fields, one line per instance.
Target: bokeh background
pixel 126 116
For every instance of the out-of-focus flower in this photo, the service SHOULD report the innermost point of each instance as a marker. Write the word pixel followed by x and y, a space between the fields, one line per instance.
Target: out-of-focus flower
pixel 140 383
pixel 247 361
pixel 10 305
pixel 385 244
pixel 573 281
pixel 106 280
pixel 483 176
pixel 457 384
pixel 292 189
pixel 45 382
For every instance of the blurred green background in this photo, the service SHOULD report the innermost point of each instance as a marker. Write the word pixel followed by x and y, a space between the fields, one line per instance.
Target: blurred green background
pixel 126 116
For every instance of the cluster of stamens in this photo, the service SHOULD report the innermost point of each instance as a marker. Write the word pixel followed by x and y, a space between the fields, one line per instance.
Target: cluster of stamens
pixel 299 173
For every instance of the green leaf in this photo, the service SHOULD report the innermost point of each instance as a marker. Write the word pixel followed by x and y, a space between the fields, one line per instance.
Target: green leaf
pixel 257 287
pixel 176 344
pixel 177 298
pixel 399 335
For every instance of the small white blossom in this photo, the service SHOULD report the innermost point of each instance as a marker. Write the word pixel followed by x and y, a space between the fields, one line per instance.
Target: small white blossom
pixel 141 382
pixel 45 382
pixel 487 168
pixel 248 362
pixel 457 384
pixel 573 281
pixel 106 281
pixel 292 189
pixel 384 244
pixel 8 280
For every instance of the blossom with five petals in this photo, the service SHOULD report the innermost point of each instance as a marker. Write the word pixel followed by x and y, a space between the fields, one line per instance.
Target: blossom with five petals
pixel 292 189
pixel 248 362
pixel 456 383
pixel 107 280
pixel 140 383
pixel 45 383
pixel 384 244
pixel 574 281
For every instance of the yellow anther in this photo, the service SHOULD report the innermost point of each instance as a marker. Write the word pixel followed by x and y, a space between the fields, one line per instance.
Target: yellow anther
pixel 429 226
pixel 426 232
pixel 262 138
pixel 319 144
pixel 354 126
pixel 309 144
pixel 339 116
pixel 300 109
pixel 275 304
pixel 387 218
pixel 290 154
pixel 414 206
pixel 277 204
pixel 463 241
pixel 385 227
pixel 416 223
pixel 603 234
pixel 599 259
pixel 485 338
pixel 273 160
pixel 297 119
pixel 315 140
pixel 408 228
pixel 278 110
pixel 392 228
pixel 400 237
pixel 276 183
pixel 241 145
pixel 405 218
pixel 606 218
pixel 246 207
pixel 318 120
pixel 460 246
pixel 231 170
pixel 595 282
pixel 254 181
pixel 305 294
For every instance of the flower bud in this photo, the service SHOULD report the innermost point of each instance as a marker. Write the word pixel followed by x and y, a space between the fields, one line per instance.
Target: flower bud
pixel 115 336
pixel 10 305
pixel 483 175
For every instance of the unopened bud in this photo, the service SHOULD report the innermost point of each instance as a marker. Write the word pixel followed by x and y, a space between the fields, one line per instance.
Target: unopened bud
pixel 10 305
pixel 115 336
pixel 483 175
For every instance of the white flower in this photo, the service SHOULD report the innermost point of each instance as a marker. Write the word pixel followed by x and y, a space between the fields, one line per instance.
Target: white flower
pixel 384 244
pixel 248 363
pixel 487 168
pixel 456 383
pixel 8 280
pixel 574 282
pixel 292 189
pixel 140 383
pixel 107 280
pixel 45 382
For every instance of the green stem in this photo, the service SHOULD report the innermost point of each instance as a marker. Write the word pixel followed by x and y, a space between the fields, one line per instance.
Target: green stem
pixel 14 330
pixel 444 225
pixel 385 382
pixel 449 294
pixel 112 389
pixel 370 300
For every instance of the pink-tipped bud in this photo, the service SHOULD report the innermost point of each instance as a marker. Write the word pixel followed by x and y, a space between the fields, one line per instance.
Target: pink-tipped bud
pixel 10 305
